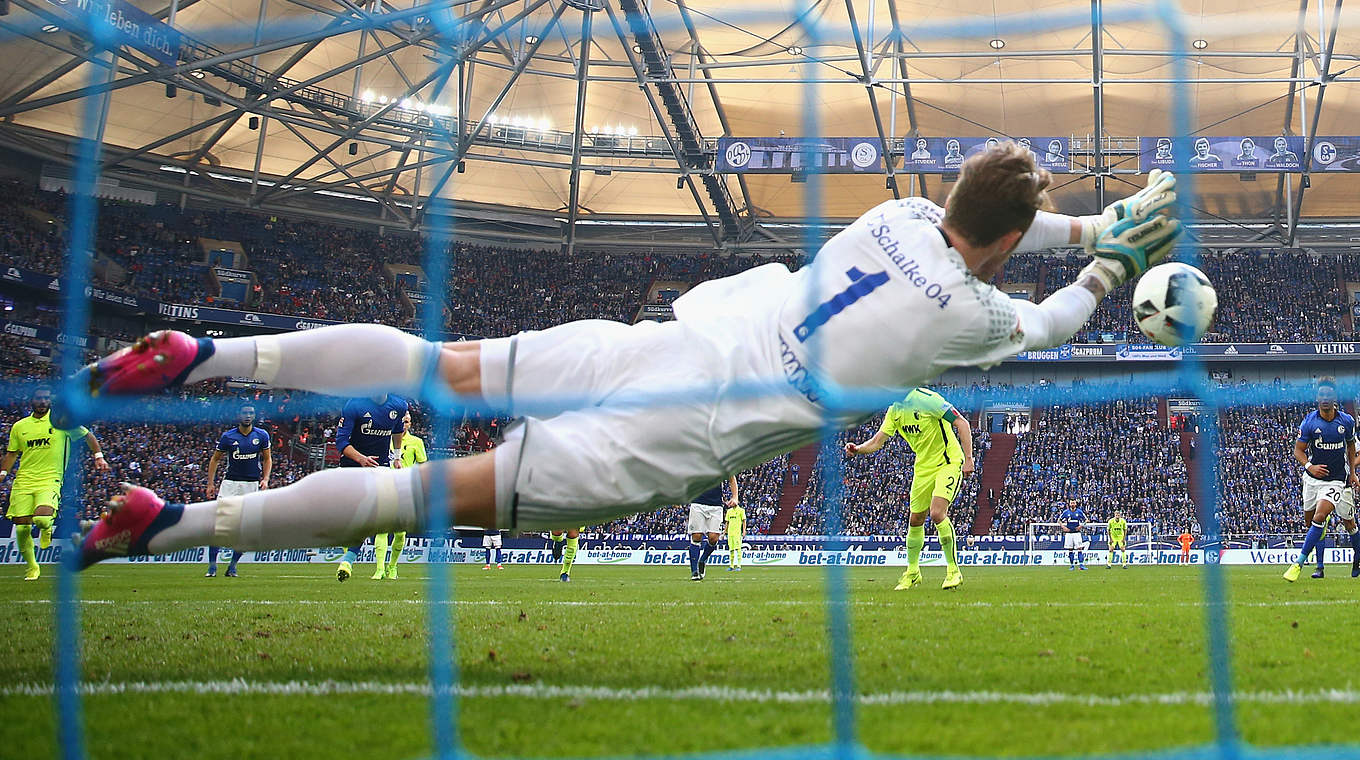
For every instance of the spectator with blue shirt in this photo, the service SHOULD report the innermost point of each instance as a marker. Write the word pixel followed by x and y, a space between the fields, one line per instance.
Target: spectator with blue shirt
pixel 370 434
pixel 1326 449
pixel 249 461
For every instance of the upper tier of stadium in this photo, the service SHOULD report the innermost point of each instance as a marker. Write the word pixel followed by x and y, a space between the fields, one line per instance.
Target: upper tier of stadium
pixel 366 112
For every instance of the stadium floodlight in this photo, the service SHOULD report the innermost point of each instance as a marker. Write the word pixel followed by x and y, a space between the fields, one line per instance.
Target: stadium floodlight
pixel 795 50
pixel 1199 44
pixel 996 43
pixel 531 39
pixel 50 28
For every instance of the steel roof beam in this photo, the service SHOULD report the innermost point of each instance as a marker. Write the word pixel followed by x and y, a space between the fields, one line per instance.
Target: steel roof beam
pixel 1324 77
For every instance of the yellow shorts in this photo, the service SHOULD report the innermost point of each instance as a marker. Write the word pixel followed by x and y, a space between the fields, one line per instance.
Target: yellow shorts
pixel 1117 543
pixel 25 500
pixel 942 481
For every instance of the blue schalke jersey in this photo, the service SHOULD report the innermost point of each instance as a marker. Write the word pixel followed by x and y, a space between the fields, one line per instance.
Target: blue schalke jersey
pixel 1327 441
pixel 243 452
pixel 1072 518
pixel 369 426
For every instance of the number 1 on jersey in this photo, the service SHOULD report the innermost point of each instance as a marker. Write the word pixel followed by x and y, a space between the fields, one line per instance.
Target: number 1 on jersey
pixel 861 285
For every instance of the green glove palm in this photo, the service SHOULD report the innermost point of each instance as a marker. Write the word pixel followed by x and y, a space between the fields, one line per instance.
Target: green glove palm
pixel 1157 196
pixel 1130 246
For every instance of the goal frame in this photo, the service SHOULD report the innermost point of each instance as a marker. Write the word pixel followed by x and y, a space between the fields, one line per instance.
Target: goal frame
pixel 1139 543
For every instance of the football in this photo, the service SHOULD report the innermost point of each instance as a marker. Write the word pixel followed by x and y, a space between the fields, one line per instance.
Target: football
pixel 1174 304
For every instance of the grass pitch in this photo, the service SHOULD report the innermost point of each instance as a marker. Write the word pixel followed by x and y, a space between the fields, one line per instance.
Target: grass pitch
pixel 631 660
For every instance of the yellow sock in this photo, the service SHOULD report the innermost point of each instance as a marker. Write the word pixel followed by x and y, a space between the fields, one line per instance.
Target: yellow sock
pixel 23 536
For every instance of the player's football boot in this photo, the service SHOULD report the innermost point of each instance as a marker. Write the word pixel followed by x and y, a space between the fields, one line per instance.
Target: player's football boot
pixel 1292 574
pixel 1355 567
pixel 564 578
pixel 212 572
pixel 33 573
pixel 953 578
pixel 391 573
pixel 343 572
pixel 909 579
pixel 159 360
pixel 1082 567
pixel 231 572
pixel 380 574
pixel 1317 573
pixel 731 569
pixel 131 519
pixel 694 576
pixel 499 566
pixel 486 567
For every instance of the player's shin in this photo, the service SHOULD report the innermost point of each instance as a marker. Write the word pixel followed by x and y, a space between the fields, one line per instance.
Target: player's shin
pixel 695 549
pixel 1310 541
pixel 569 554
pixel 946 531
pixel 380 550
pixel 398 545
pixel 23 536
pixel 326 508
pixel 916 540
pixel 342 360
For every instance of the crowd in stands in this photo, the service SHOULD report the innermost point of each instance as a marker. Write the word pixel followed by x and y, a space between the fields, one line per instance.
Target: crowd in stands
pixel 1258 478
pixel 1103 456
pixel 327 271
pixel 759 489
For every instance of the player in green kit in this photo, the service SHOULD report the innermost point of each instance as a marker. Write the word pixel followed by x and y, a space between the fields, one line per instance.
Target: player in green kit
pixel 412 454
pixel 1118 529
pixel 570 539
pixel 944 454
pixel 736 530
pixel 36 493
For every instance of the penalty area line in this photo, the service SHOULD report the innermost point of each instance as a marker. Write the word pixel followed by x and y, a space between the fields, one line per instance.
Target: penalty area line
pixel 242 687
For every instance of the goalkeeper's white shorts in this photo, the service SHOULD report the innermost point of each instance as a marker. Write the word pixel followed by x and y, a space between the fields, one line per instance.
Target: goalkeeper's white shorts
pixel 626 448
pixel 491 540
pixel 1073 541
pixel 1334 491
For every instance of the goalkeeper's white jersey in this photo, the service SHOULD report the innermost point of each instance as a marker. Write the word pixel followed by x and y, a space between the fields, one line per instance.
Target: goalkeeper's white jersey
pixel 886 304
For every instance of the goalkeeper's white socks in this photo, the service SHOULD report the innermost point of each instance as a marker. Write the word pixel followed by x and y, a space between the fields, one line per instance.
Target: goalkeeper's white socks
pixel 327 508
pixel 341 360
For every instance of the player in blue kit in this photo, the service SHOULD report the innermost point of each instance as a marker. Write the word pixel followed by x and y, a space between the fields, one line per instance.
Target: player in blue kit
pixel 369 435
pixel 1326 449
pixel 1072 519
pixel 249 460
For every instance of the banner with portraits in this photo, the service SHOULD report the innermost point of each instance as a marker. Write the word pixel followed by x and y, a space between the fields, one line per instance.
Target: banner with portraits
pixel 944 155
pixel 1204 154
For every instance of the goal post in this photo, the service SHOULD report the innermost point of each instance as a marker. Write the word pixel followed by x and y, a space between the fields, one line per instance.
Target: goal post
pixel 1041 536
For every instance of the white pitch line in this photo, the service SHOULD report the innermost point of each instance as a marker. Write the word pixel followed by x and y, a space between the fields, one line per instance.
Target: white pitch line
pixel 242 687
pixel 907 601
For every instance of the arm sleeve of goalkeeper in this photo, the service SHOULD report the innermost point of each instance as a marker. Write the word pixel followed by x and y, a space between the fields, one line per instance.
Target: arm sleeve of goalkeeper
pixel 1056 319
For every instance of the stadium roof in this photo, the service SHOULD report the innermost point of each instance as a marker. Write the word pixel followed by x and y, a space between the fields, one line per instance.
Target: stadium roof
pixel 276 101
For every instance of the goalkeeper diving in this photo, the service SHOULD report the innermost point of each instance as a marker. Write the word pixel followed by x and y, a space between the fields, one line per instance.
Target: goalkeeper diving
pixel 619 418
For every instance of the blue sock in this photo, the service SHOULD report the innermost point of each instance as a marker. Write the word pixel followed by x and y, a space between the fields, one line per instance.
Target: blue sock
pixel 693 558
pixel 212 556
pixel 1071 557
pixel 708 551
pixel 350 556
pixel 1310 542
pixel 498 556
pixel 1081 558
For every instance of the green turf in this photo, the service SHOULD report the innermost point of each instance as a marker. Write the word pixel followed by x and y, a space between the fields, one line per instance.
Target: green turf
pixel 935 661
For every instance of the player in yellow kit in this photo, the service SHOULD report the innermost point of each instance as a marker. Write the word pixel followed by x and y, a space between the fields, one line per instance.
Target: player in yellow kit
pixel 34 497
pixel 944 455
pixel 1118 529
pixel 735 517
pixel 412 454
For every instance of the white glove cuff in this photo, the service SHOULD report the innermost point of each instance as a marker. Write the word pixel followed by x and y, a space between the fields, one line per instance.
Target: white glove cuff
pixel 1110 274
